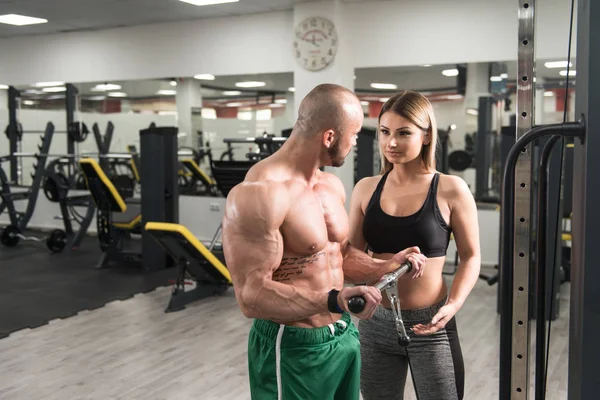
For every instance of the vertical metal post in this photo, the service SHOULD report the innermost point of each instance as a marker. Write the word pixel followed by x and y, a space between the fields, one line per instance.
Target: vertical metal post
pixel 71 106
pixel 483 161
pixel 584 320
pixel 160 191
pixel 514 358
pixel 13 126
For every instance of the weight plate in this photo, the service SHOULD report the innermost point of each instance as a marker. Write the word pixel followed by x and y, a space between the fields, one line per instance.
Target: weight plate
pixel 459 160
pixel 10 236
pixel 57 241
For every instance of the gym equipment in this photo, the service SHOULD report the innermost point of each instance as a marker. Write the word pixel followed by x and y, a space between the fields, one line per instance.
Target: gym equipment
pixel 198 183
pixel 103 142
pixel 459 160
pixel 366 154
pixel 388 283
pixel 516 224
pixel 116 220
pixel 55 241
pixel 441 154
pixel 193 260
pixel 267 145
pixel 73 156
pixel 160 192
pixel 135 162
pixel 20 220
pixel 227 174
pixel 56 190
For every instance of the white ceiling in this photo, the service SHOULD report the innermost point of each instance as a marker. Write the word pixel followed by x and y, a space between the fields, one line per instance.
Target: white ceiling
pixel 76 15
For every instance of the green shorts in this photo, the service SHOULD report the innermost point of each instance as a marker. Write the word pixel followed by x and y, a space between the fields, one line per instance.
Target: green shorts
pixel 289 363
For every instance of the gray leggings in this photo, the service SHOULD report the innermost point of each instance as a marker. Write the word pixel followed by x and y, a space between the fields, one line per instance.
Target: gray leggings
pixel 435 361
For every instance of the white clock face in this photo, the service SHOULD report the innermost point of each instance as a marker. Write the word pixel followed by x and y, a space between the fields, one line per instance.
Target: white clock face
pixel 315 43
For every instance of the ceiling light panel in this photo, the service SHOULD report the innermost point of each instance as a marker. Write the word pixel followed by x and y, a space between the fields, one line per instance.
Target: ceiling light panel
pixel 557 64
pixel 450 72
pixel 250 84
pixel 384 86
pixel 204 77
pixel 20 20
pixel 208 2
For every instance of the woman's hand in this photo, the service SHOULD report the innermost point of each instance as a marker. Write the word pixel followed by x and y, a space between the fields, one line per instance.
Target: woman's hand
pixel 412 254
pixel 439 320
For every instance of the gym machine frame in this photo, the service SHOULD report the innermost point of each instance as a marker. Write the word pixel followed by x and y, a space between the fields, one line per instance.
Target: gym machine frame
pixel 21 221
pixel 514 267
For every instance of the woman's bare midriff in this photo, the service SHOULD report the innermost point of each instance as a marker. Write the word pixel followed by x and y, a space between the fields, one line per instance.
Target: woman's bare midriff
pixel 421 292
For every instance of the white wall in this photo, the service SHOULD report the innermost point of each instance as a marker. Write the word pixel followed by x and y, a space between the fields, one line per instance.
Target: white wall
pixel 414 32
pixel 126 132
pixel 385 33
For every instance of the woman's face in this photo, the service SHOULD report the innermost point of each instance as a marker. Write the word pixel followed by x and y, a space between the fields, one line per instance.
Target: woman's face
pixel 400 140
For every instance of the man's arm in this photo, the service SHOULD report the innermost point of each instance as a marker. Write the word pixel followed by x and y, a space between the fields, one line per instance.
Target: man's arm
pixel 253 248
pixel 359 267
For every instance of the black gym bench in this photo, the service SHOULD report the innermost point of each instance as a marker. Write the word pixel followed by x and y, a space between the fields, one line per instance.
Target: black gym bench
pixel 192 259
pixel 209 186
pixel 116 219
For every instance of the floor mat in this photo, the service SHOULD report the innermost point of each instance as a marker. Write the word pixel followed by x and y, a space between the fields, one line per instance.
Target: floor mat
pixel 37 286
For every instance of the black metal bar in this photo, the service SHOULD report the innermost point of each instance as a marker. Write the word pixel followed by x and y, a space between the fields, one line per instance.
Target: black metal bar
pixel 13 126
pixel 71 106
pixel 483 160
pixel 570 129
pixel 541 241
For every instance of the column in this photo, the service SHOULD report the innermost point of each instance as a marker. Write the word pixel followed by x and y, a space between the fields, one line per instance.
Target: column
pixel 584 320
pixel 478 85
pixel 3 121
pixel 189 106
pixel 340 71
pixel 290 110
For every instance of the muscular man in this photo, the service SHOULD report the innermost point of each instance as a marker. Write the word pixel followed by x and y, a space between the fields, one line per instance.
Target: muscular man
pixel 285 239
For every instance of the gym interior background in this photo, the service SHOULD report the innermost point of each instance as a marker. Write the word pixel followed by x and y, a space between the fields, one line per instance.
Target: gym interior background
pixel 229 78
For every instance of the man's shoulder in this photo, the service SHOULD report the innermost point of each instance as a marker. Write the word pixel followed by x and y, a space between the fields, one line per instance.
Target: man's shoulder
pixel 253 203
pixel 261 190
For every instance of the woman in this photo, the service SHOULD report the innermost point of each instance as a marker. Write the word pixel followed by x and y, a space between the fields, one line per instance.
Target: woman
pixel 410 204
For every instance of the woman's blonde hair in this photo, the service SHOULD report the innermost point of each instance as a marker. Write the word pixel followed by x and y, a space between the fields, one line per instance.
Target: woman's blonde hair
pixel 418 110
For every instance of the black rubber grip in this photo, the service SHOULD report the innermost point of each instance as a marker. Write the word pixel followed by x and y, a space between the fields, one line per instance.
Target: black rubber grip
pixel 356 304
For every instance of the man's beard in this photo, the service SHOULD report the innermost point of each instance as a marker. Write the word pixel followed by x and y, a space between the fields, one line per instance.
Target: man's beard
pixel 335 155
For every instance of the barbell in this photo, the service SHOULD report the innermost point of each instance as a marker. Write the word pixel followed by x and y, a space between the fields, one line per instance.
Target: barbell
pixel 77 130
pixel 55 241
pixel 82 155
pixel 38 155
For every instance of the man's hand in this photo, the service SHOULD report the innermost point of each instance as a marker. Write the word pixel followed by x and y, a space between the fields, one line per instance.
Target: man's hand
pixel 412 254
pixel 371 295
pixel 439 320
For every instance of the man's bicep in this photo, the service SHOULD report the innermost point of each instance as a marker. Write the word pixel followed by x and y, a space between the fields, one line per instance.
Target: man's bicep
pixel 252 251
pixel 252 243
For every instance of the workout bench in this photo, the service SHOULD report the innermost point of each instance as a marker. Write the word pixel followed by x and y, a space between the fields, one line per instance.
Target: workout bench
pixel 192 258
pixel 199 176
pixel 116 220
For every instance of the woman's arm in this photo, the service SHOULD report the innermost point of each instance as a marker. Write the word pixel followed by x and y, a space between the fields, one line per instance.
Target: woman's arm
pixel 465 227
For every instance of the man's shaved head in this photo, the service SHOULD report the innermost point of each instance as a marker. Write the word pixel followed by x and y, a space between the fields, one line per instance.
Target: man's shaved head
pixel 327 106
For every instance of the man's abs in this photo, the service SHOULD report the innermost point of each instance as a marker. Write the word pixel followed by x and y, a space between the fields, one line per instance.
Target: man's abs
pixel 321 272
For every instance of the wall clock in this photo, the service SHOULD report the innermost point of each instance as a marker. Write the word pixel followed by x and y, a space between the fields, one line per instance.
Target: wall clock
pixel 315 43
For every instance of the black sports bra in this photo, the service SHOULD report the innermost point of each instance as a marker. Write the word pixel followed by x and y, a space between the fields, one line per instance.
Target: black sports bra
pixel 426 228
